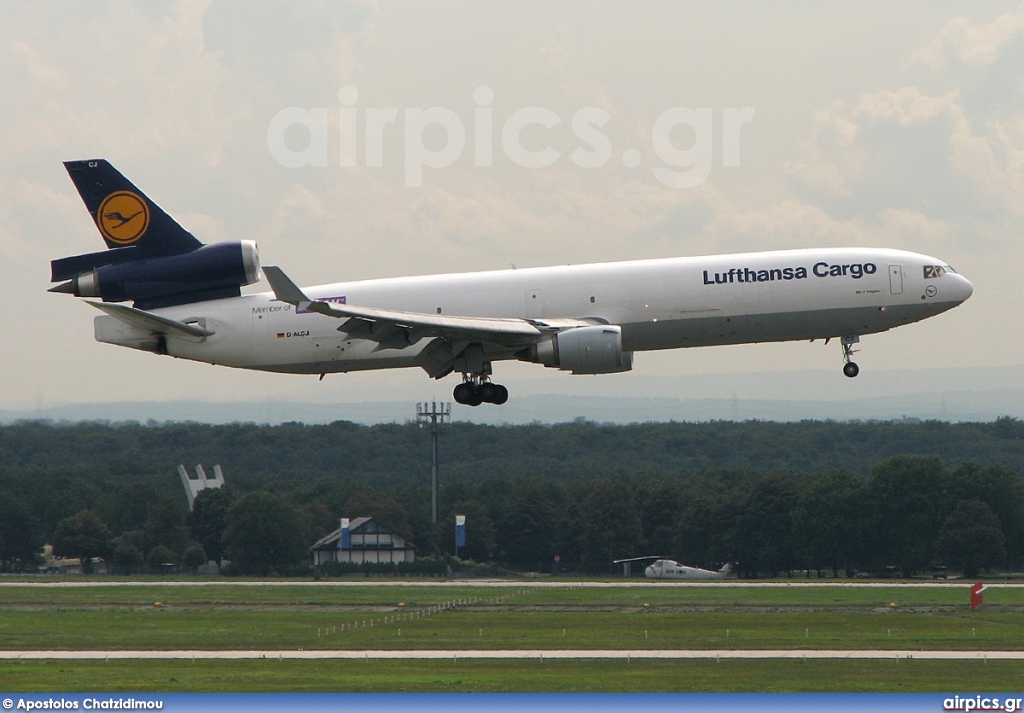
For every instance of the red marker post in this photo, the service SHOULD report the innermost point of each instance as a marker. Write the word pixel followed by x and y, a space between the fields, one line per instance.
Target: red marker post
pixel 976 589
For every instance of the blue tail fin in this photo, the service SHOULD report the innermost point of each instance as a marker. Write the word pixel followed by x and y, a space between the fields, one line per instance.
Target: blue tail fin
pixel 125 215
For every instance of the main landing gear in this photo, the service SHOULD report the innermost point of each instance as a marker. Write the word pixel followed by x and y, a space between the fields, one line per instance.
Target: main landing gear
pixel 475 390
pixel 850 368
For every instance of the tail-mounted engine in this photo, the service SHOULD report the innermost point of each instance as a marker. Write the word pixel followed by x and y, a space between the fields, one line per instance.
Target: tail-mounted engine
pixel 209 272
pixel 150 259
pixel 584 350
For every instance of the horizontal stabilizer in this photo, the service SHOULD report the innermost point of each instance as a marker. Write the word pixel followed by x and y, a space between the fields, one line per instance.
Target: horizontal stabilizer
pixel 67 267
pixel 153 322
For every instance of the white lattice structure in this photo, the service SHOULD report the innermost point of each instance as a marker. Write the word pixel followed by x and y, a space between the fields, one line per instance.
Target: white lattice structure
pixel 193 486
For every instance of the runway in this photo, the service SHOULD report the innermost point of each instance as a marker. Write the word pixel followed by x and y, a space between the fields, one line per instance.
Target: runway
pixel 536 654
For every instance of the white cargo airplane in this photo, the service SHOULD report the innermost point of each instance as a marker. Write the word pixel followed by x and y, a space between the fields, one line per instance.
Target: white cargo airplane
pixel 586 319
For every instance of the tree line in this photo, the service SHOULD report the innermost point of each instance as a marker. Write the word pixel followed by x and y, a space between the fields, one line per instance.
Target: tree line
pixel 661 489
pixel 254 454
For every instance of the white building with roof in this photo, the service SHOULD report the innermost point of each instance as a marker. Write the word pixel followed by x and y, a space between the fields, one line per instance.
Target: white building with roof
pixel 366 540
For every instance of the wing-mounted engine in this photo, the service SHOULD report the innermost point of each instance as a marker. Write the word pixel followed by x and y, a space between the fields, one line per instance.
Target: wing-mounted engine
pixel 209 272
pixel 583 350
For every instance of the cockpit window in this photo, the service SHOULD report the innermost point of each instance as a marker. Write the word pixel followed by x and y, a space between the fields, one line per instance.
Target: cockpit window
pixel 933 271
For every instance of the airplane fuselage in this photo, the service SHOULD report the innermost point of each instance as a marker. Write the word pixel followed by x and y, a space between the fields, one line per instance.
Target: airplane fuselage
pixel 659 304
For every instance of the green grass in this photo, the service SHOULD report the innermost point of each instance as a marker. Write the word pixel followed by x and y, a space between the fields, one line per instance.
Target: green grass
pixel 737 595
pixel 210 629
pixel 145 594
pixel 583 676
pixel 136 593
pixel 509 617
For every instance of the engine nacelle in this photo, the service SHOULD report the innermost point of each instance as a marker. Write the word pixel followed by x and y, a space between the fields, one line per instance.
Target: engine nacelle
pixel 210 272
pixel 584 350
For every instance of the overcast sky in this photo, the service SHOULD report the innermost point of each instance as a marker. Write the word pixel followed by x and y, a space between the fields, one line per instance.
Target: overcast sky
pixel 817 124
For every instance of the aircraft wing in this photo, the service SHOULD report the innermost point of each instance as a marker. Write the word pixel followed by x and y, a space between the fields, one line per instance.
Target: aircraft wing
pixel 393 329
pixel 153 322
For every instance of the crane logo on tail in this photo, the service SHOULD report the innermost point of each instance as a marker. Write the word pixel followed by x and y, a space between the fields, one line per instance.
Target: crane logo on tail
pixel 123 217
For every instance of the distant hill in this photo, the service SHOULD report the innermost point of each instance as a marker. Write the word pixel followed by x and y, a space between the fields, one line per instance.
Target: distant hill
pixel 954 395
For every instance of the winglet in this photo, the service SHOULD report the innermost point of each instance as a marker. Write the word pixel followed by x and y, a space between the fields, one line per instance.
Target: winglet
pixel 284 289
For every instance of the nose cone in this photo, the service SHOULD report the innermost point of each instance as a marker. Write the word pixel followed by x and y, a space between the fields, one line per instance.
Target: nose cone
pixel 962 288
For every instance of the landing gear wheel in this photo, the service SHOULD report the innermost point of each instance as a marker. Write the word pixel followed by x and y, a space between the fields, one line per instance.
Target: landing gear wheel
pixel 487 392
pixel 500 396
pixel 850 368
pixel 469 393
pixel 466 394
pixel 476 387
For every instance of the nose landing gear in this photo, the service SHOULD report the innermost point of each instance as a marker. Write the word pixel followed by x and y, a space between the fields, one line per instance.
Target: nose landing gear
pixel 475 390
pixel 850 368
